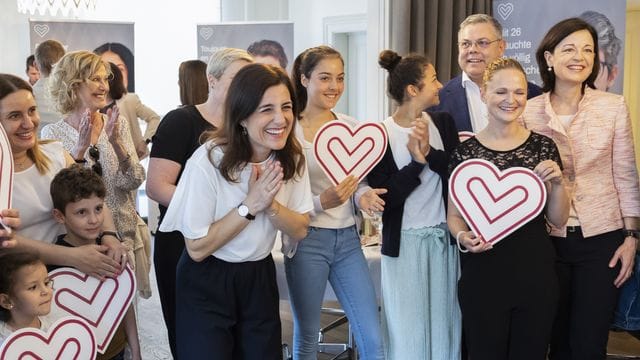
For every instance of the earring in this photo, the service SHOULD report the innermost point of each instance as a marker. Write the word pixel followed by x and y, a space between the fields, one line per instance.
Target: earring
pixel 244 130
pixel 10 306
pixel 549 69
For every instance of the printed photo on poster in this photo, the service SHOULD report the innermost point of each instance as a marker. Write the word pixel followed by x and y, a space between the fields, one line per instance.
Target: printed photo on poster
pixel 113 41
pixel 526 22
pixel 270 43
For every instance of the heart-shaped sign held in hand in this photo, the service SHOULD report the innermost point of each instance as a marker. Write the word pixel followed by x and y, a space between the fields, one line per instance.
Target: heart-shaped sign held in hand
pixel 6 173
pixel 495 203
pixel 102 304
pixel 465 135
pixel 68 338
pixel 342 151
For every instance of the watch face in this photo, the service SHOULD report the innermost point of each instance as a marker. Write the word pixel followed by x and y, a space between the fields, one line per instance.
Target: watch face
pixel 243 210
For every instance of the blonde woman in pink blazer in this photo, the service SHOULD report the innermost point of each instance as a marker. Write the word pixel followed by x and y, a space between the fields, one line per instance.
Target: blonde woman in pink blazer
pixel 592 130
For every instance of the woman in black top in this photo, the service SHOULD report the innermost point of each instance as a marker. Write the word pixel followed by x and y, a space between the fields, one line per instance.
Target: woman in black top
pixel 508 292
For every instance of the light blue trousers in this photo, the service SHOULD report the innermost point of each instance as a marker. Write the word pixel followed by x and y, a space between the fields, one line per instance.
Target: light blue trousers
pixel 421 316
pixel 334 255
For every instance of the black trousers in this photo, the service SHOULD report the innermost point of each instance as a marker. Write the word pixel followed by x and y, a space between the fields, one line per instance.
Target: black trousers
pixel 512 321
pixel 168 248
pixel 227 310
pixel 587 295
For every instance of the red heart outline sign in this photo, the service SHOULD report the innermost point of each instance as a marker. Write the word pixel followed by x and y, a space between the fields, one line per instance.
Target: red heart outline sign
pixel 6 172
pixel 342 150
pixel 496 203
pixel 68 338
pixel 101 304
pixel 465 135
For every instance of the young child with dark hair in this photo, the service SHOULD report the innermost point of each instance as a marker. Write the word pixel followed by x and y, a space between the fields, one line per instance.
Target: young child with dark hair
pixel 25 292
pixel 78 203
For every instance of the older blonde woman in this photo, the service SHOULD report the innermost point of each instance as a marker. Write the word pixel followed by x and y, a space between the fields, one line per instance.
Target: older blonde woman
pixel 79 86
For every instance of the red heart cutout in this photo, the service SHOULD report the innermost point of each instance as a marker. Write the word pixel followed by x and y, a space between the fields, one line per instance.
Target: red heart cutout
pixel 496 203
pixel 101 304
pixel 6 170
pixel 67 338
pixel 342 150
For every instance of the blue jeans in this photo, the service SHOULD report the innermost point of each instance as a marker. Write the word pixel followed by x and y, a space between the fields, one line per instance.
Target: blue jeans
pixel 627 315
pixel 334 255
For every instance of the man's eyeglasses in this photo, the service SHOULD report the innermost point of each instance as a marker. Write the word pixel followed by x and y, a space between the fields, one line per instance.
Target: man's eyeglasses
pixel 94 153
pixel 482 43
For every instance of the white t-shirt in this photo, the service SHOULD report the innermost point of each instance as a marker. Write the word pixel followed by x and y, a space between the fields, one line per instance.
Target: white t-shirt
pixel 478 112
pixel 32 197
pixel 6 331
pixel 424 206
pixel 203 197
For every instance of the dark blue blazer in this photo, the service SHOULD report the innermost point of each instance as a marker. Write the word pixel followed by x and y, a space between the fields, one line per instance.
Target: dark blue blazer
pixel 453 100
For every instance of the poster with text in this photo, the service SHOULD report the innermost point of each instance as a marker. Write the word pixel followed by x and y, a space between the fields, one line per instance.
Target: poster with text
pixel 272 41
pixel 526 22
pixel 114 41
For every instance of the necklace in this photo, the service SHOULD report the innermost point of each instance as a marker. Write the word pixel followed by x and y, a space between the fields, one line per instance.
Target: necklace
pixel 21 165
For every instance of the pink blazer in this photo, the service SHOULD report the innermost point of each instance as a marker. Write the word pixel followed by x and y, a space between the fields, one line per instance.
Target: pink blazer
pixel 598 159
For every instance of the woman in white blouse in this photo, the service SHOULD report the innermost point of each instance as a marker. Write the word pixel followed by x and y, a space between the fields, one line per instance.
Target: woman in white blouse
pixel 246 182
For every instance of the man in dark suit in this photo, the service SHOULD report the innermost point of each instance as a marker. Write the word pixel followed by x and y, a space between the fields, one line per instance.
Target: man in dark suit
pixel 479 43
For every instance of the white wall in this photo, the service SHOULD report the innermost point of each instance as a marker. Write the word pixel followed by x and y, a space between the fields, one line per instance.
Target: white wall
pixel 309 32
pixel 165 35
pixel 308 29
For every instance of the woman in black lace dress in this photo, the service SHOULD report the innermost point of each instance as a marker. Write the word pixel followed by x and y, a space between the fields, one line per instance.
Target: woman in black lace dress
pixel 508 292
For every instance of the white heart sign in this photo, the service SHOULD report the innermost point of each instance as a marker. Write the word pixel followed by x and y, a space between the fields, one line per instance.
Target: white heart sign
pixel 102 304
pixel 505 10
pixel 6 173
pixel 342 151
pixel 495 203
pixel 206 33
pixel 68 338
pixel 41 29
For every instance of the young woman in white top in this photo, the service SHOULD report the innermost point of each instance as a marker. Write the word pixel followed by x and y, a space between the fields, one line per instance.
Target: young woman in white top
pixel 421 315
pixel 246 182
pixel 331 251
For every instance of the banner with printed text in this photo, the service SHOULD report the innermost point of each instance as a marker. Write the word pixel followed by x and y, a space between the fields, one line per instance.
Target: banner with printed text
pixel 114 41
pixel 274 39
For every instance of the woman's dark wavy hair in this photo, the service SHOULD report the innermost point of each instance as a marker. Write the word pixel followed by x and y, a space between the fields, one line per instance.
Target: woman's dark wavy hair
pixel 127 57
pixel 304 65
pixel 116 83
pixel 554 36
pixel 243 98
pixel 403 71
pixel 12 260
